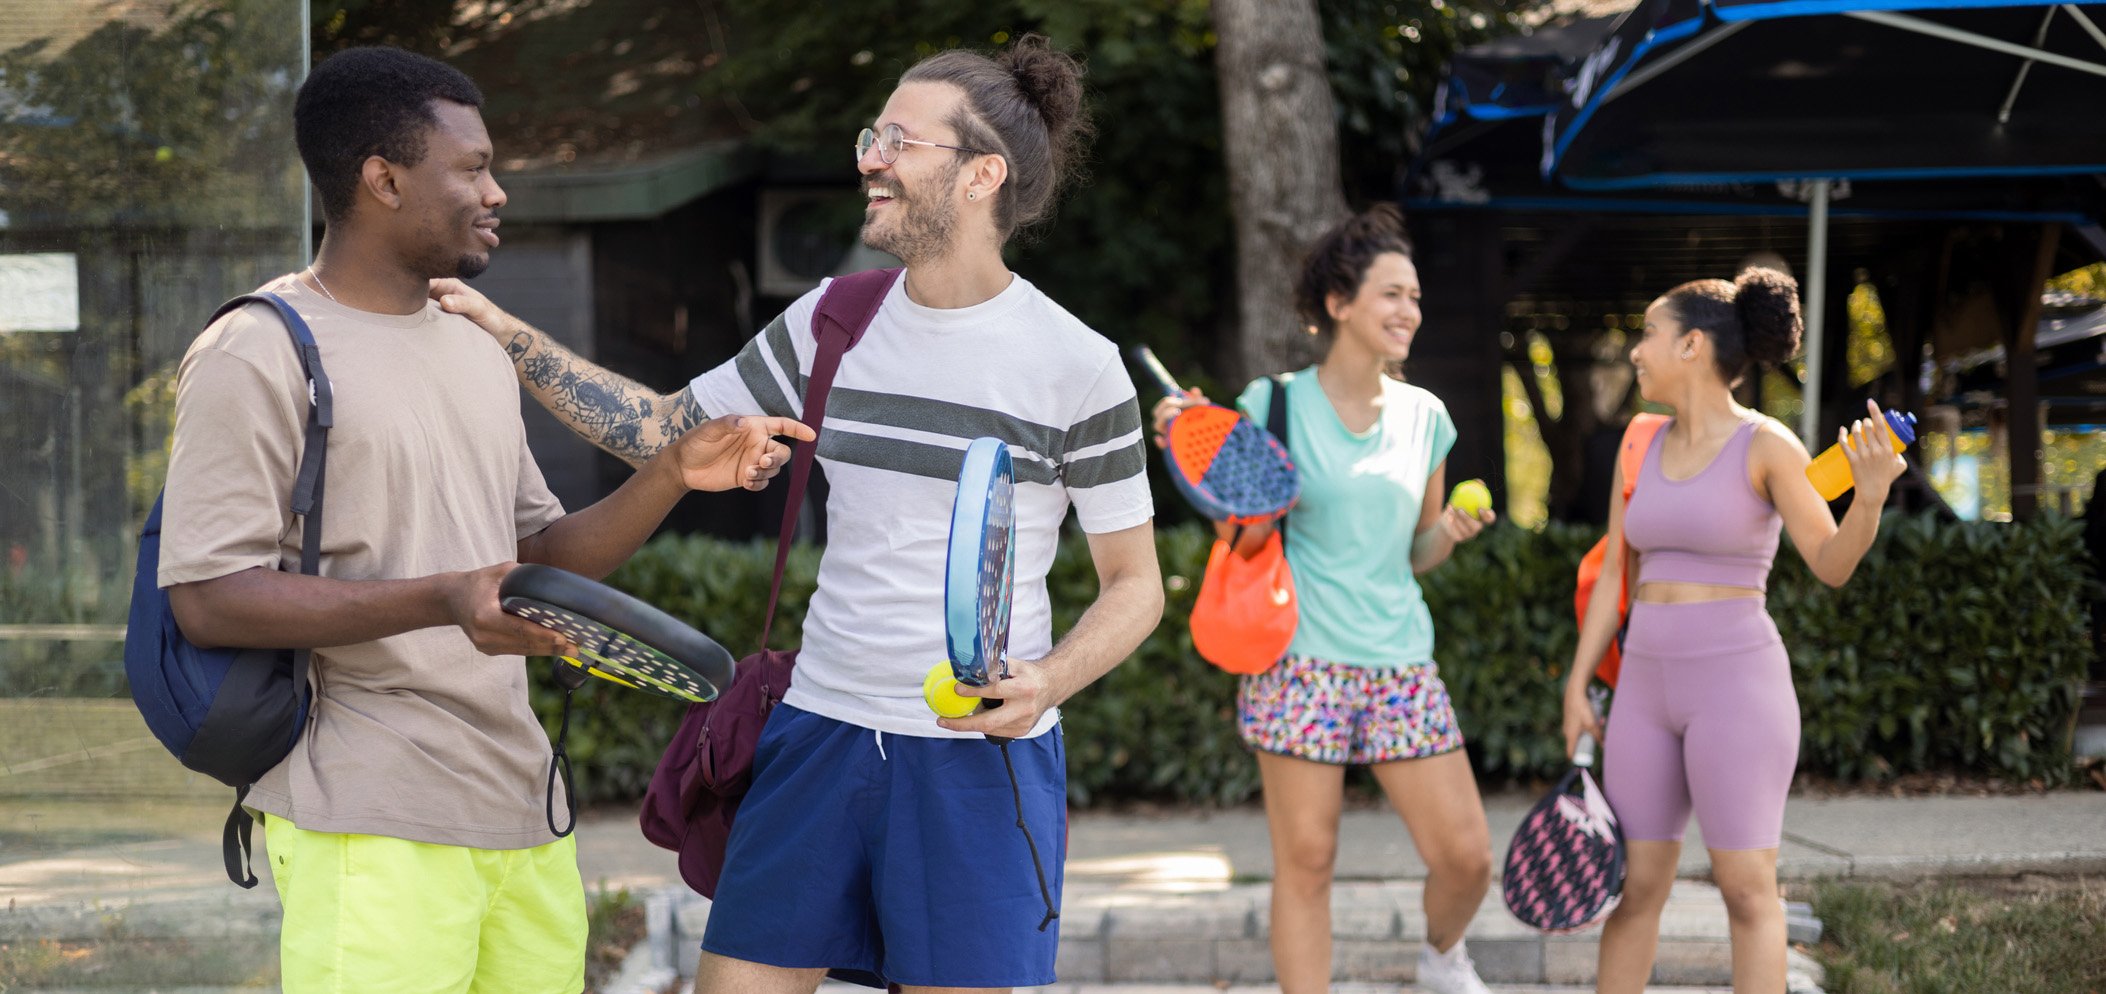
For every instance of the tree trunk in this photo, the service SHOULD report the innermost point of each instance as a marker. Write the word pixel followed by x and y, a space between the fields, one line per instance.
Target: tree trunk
pixel 1280 140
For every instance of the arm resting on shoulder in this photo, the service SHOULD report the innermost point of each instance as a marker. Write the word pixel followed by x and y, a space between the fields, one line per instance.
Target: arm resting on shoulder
pixel 621 416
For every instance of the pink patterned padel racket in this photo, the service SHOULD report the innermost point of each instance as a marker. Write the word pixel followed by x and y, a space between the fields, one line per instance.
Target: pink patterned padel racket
pixel 1564 869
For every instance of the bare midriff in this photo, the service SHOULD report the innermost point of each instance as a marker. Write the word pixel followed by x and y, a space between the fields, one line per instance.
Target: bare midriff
pixel 1675 592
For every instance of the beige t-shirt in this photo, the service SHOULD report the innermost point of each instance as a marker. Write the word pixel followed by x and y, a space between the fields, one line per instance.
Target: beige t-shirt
pixel 417 736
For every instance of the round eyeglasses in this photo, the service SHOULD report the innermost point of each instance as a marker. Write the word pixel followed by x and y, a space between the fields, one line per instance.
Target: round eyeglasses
pixel 892 140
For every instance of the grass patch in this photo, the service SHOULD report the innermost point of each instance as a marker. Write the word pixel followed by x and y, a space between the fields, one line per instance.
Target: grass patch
pixel 614 923
pixel 119 961
pixel 137 964
pixel 2029 935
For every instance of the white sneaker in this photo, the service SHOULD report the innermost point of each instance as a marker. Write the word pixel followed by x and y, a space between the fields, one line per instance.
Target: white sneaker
pixel 1448 973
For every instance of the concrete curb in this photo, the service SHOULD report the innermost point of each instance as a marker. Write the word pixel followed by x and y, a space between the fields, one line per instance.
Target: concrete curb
pixel 1221 937
pixel 1966 865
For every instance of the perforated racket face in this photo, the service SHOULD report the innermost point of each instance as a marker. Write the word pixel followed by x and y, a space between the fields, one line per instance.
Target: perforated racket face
pixel 980 564
pixel 613 655
pixel 1564 870
pixel 1228 468
pixel 620 638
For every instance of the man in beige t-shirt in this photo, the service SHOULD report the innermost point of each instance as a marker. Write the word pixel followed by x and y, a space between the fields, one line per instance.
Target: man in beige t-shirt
pixel 408 830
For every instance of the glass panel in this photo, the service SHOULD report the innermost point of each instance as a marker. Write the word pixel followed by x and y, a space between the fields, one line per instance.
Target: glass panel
pixel 147 172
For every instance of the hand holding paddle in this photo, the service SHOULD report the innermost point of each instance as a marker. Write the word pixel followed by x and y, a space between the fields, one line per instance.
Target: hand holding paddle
pixel 1228 468
pixel 1008 708
pixel 472 602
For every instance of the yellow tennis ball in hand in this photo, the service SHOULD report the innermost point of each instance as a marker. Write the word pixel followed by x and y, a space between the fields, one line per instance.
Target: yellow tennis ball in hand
pixel 940 689
pixel 1471 497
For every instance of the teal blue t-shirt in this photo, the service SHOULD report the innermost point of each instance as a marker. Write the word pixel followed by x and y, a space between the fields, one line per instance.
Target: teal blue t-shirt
pixel 1349 537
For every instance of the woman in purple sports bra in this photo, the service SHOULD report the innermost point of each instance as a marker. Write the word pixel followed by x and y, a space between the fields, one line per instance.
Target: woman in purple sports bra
pixel 1705 718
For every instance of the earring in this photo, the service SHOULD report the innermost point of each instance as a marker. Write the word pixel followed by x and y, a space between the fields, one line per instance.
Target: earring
pixel 971 195
pixel 1688 354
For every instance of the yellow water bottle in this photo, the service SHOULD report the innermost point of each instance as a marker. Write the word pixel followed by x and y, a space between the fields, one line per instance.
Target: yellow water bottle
pixel 1830 471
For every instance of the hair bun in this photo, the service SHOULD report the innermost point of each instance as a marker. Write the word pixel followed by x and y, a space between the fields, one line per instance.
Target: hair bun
pixel 1767 303
pixel 1051 80
pixel 1381 222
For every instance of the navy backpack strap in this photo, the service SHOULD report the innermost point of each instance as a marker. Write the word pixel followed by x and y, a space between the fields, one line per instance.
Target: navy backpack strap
pixel 1276 423
pixel 235 842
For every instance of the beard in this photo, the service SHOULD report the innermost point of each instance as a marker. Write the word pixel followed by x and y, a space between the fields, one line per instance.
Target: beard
pixel 437 260
pixel 922 222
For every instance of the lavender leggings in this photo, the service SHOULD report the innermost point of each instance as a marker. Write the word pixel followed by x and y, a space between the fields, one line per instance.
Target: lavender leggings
pixel 1704 717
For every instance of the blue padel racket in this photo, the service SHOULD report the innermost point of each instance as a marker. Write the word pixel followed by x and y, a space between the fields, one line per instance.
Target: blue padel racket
pixel 1228 468
pixel 622 639
pixel 980 564
pixel 1564 870
pixel 979 577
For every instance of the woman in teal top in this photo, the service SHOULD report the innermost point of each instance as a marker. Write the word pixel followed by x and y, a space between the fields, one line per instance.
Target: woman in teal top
pixel 1358 685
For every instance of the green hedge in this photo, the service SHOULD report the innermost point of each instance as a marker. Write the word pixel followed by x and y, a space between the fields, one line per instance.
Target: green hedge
pixel 1956 646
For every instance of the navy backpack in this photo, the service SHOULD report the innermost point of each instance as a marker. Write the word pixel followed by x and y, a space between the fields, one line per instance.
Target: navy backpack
pixel 230 714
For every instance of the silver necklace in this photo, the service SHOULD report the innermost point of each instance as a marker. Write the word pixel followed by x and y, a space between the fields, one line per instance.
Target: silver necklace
pixel 317 278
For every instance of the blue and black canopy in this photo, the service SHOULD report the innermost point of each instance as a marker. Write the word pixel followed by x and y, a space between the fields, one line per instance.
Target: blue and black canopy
pixel 1736 91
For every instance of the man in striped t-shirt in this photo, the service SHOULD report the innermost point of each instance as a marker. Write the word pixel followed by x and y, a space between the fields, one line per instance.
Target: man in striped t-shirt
pixel 878 841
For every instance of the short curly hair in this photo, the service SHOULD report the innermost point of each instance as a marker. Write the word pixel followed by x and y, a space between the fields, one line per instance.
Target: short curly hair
pixel 1338 263
pixel 363 102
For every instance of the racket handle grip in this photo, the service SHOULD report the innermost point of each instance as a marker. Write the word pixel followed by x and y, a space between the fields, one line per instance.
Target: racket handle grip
pixel 1154 366
pixel 1583 753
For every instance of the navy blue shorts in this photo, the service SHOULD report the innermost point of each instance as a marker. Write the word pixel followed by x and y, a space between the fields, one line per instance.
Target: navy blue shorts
pixel 893 858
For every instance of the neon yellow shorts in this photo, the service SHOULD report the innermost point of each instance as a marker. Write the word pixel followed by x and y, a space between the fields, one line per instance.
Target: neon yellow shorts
pixel 366 913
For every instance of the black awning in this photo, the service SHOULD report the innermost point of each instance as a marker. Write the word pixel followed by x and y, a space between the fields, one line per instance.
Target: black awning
pixel 1756 91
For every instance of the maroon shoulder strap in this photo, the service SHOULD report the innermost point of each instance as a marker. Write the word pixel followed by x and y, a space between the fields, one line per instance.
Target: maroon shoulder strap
pixel 844 314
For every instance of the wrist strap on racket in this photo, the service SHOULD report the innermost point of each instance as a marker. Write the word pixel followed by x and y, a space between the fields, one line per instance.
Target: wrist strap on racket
pixel 1045 893
pixel 570 678
pixel 844 314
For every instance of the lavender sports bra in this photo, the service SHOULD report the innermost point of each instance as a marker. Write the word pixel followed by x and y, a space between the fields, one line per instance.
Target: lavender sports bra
pixel 1710 528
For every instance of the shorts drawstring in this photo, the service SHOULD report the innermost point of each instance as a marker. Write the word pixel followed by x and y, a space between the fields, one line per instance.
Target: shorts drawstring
pixel 880 737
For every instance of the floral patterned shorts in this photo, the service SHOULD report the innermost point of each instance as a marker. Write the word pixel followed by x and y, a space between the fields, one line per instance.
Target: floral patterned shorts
pixel 1339 713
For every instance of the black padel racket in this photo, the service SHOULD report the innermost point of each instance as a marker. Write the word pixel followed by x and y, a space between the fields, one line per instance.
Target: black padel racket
pixel 623 640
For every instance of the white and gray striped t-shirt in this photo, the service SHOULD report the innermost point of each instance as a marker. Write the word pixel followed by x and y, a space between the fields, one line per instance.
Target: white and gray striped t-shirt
pixel 920 385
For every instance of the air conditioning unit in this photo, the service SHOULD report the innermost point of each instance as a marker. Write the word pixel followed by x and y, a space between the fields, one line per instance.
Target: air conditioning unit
pixel 808 234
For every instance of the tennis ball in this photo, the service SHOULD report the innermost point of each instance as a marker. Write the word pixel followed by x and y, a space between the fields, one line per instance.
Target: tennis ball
pixel 164 154
pixel 940 689
pixel 1471 497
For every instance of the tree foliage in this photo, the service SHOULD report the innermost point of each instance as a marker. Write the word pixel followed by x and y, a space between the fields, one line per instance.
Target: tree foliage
pixel 146 121
pixel 1142 249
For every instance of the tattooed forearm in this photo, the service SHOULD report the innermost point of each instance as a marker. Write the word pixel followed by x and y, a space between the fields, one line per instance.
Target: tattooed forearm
pixel 623 417
pixel 683 415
